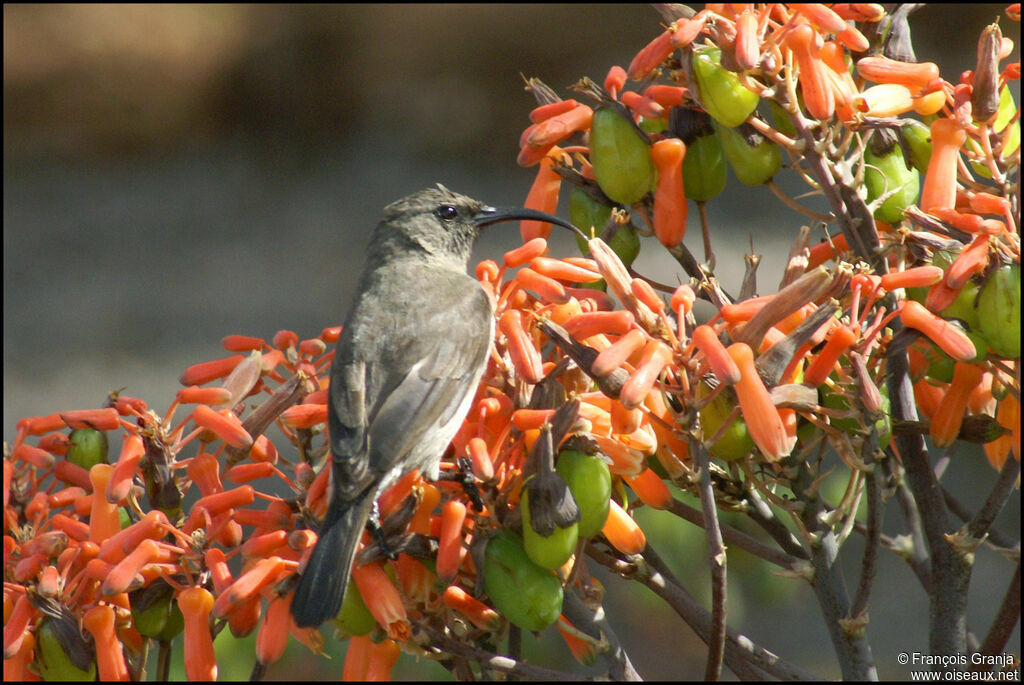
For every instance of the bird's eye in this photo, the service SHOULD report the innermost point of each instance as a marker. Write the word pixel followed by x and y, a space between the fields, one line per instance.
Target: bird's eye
pixel 446 212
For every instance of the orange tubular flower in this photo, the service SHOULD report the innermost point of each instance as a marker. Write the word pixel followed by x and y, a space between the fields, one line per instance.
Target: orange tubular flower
pixel 916 277
pixel 382 599
pixel 16 625
pixel 614 80
pixel 521 350
pixel 972 260
pixel 665 95
pixel 839 340
pixel 483 467
pixel 225 425
pixel 622 531
pixel 204 372
pixel 622 349
pixel 273 636
pixel 242 343
pixel 39 458
pixel 951 339
pixel 722 365
pixel 927 397
pixel 100 419
pixel 687 30
pixel 763 421
pixel 120 483
pixel 304 415
pixel 123 574
pixel 670 207
pixel 560 126
pixel 381 660
pixel 945 424
pixel 537 247
pixel 552 109
pixel 563 271
pixel 104 521
pixel 478 613
pixel 450 550
pixel 939 187
pixel 821 16
pixel 817 89
pixel 748 47
pixel 193 394
pixel 200 661
pixel 912 75
pixel 220 502
pixel 624 421
pixel 1008 416
pixel 651 56
pixel 587 324
pixel 110 663
pixel 651 489
pixel 547 289
pixel 543 196
pixel 654 358
pixel 646 107
pixel 357 659
pixel 584 652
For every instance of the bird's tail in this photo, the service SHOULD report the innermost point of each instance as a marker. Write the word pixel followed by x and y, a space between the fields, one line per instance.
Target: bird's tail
pixel 322 586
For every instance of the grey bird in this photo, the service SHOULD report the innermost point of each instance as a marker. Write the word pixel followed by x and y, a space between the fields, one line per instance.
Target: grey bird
pixel 412 351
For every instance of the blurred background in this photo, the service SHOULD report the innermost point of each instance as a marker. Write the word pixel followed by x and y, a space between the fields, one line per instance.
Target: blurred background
pixel 174 174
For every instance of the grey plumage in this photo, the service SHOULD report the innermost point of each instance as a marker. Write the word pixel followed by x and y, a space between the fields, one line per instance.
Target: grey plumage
pixel 409 359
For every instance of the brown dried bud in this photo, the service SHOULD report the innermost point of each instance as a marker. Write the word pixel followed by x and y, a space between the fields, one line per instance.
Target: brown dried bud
pixel 985 96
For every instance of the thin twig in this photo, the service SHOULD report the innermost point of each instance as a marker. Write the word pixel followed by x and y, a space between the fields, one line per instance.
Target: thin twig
pixel 996 500
pixel 734 536
pixel 950 569
pixel 494 661
pixel 740 651
pixel 596 625
pixel 871 544
pixel 1004 622
pixel 717 558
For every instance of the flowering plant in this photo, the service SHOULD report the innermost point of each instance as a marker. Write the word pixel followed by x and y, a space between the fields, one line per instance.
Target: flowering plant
pixel 901 327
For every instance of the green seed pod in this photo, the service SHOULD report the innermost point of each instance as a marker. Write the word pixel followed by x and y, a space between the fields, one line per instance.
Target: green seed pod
pixel 735 441
pixel 524 593
pixel 781 119
pixel 620 156
pixel 919 139
pixel 547 552
pixel 354 618
pixel 155 614
pixel 727 100
pixel 87 447
pixel 587 214
pixel 704 168
pixel 52 658
pixel 963 306
pixel 175 624
pixel 590 482
pixel 999 311
pixel 886 172
pixel 753 159
pixel 1007 108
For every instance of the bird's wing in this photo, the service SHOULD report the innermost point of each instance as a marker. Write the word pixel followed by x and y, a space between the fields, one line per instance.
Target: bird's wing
pixel 435 390
pixel 384 409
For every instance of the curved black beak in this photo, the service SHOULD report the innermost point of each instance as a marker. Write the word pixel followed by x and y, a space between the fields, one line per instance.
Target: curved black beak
pixel 492 215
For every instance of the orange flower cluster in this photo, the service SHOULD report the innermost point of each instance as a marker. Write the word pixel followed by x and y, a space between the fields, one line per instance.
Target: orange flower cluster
pixel 187 529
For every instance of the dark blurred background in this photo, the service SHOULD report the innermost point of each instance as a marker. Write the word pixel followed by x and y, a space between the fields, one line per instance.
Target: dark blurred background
pixel 174 174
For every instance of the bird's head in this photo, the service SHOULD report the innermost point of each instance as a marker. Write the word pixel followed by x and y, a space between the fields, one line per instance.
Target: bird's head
pixel 442 224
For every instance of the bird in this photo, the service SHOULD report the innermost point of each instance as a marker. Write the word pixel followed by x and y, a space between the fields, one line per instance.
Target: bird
pixel 412 350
